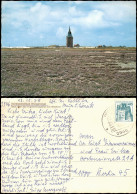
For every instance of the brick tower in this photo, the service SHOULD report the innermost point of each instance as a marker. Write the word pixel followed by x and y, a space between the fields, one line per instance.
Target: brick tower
pixel 69 39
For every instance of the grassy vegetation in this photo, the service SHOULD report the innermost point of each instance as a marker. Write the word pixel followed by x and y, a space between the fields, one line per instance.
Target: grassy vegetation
pixel 68 72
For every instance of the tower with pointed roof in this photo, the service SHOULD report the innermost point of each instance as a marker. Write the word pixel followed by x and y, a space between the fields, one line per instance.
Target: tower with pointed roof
pixel 69 39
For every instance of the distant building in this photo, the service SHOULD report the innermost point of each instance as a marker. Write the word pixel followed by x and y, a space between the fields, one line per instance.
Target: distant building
pixel 54 46
pixel 99 46
pixel 69 39
pixel 76 45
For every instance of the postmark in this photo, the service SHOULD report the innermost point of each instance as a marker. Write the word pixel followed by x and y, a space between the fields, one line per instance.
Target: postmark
pixel 118 120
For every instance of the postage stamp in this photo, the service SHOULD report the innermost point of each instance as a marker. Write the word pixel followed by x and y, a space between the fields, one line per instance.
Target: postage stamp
pixel 117 119
pixel 124 111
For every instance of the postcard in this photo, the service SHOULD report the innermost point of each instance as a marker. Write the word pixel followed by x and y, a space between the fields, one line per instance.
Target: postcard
pixel 68 145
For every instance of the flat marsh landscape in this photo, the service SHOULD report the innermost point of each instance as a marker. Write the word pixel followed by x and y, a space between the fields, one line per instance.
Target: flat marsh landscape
pixel 68 72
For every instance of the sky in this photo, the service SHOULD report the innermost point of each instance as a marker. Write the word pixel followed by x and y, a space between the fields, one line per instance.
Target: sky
pixel 92 23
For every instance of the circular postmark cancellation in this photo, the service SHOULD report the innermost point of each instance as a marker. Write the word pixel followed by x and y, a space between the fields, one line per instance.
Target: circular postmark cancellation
pixel 117 120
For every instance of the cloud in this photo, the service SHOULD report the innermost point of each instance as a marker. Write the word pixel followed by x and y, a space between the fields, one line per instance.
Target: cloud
pixel 60 32
pixel 122 11
pixel 73 11
pixel 39 11
pixel 36 7
pixel 94 19
pixel 79 2
pixel 8 5
pixel 39 18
